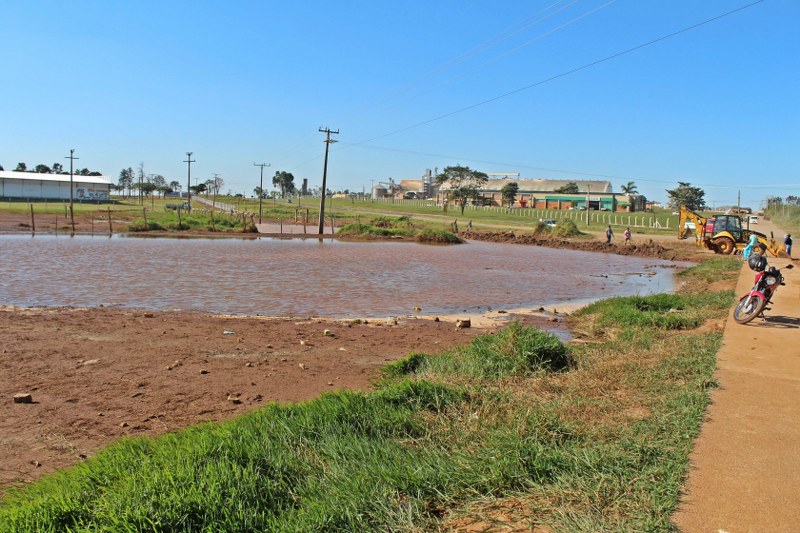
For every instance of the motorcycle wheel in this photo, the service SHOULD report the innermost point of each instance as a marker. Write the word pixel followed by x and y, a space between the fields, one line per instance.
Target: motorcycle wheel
pixel 748 308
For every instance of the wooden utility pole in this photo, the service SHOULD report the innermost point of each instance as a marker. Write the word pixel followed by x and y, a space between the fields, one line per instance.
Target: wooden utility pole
pixel 328 141
pixel 260 187
pixel 189 162
pixel 71 158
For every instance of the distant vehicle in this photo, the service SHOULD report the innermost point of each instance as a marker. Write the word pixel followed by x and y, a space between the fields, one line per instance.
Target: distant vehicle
pixel 409 195
pixel 549 223
pixel 752 219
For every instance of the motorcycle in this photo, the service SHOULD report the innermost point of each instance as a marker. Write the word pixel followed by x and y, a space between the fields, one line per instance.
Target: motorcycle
pixel 755 302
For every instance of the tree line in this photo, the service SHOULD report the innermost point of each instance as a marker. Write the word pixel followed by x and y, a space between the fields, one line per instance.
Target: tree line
pixel 57 168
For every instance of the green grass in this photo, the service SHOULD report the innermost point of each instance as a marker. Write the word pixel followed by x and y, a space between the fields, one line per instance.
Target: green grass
pixel 590 436
pixel 383 227
pixel 787 217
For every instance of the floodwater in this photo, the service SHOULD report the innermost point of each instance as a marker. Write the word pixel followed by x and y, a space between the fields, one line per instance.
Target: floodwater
pixel 325 278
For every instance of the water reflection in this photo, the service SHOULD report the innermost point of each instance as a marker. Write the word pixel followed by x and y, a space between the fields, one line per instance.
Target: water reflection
pixel 311 277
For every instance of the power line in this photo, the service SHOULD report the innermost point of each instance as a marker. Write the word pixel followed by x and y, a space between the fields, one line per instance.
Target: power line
pixel 508 53
pixel 566 73
pixel 563 171
pixel 488 44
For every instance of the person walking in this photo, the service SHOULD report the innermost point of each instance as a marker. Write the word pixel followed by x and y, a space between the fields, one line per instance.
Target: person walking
pixel 609 234
pixel 627 236
pixel 750 245
pixel 787 243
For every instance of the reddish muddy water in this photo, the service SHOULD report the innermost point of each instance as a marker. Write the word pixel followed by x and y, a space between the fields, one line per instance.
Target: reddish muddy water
pixel 325 278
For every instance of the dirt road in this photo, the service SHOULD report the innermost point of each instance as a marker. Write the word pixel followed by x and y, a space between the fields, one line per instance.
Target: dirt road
pixel 745 473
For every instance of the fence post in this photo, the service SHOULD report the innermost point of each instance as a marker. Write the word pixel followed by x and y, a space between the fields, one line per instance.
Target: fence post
pixel 110 228
pixel 144 212
pixel 33 222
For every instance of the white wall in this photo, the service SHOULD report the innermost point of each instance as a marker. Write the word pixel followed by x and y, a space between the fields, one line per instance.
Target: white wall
pixel 52 190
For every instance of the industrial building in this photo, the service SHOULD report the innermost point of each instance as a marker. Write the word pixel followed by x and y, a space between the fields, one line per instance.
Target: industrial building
pixel 36 186
pixel 531 193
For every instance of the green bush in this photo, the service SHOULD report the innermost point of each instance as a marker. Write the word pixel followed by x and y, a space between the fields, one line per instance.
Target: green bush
pixel 139 225
pixel 566 228
pixel 438 236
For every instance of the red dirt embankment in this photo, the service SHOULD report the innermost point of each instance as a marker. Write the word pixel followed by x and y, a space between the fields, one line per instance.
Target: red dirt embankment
pixel 670 249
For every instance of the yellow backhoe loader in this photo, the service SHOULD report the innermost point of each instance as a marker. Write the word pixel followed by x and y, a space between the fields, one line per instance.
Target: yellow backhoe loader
pixel 722 234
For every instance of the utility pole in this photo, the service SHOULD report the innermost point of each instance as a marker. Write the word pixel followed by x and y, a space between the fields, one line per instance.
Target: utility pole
pixel 71 158
pixel 261 187
pixel 328 141
pixel 587 204
pixel 189 162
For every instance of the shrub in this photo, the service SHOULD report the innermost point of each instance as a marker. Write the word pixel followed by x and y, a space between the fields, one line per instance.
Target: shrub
pixel 438 236
pixel 139 225
pixel 566 228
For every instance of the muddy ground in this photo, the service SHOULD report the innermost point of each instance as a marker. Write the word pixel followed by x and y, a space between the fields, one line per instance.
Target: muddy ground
pixel 98 375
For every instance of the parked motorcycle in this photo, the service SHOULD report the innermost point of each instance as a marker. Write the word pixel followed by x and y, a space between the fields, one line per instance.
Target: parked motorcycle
pixel 755 302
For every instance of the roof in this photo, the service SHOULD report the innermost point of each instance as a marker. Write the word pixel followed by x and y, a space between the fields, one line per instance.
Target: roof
pixel 410 184
pixel 545 185
pixel 35 176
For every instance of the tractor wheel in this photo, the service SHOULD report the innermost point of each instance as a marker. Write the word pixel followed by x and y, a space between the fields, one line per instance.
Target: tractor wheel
pixel 724 245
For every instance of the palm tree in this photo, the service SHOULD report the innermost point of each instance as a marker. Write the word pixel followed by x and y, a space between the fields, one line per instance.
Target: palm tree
pixel 629 188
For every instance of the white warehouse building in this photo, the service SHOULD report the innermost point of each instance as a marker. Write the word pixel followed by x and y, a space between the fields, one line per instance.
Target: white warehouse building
pixel 35 186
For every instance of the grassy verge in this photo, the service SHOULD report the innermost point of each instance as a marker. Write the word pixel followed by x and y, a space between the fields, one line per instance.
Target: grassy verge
pixel 785 216
pixel 593 436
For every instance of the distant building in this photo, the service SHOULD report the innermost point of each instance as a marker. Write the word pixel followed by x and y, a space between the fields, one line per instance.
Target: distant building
pixel 541 194
pixel 35 186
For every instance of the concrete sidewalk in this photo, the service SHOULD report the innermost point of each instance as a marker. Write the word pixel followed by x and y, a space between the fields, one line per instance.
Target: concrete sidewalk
pixel 745 468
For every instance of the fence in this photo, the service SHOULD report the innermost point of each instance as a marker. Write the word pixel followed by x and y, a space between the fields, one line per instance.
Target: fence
pixel 634 220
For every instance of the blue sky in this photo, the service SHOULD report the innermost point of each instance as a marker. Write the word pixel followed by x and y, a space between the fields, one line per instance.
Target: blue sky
pixel 244 82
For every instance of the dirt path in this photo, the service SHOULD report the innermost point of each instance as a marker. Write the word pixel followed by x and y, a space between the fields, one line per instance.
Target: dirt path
pixel 745 473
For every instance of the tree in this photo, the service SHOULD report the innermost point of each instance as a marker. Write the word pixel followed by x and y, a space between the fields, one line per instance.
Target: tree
pixel 285 181
pixel 21 167
pixel 198 189
pixel 84 172
pixel 569 188
pixel 463 183
pixel 175 185
pixel 685 194
pixel 148 188
pixel 125 179
pixel 509 192
pixel 216 185
pixel 629 188
pixel 1 168
pixel 260 193
pixel 42 169
pixel 58 168
pixel 773 201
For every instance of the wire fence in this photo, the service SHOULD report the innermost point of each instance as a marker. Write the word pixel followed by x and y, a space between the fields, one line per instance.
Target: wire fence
pixel 634 220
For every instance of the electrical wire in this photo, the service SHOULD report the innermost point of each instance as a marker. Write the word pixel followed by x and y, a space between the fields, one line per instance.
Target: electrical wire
pixel 564 74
